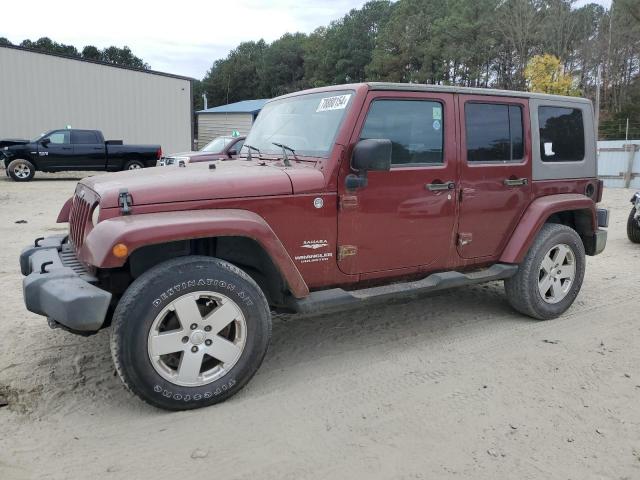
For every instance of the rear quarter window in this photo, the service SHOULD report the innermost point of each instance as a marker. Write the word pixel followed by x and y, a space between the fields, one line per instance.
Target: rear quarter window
pixel 561 134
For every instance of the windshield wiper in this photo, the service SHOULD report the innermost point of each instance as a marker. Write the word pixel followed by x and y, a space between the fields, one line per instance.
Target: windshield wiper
pixel 249 148
pixel 284 148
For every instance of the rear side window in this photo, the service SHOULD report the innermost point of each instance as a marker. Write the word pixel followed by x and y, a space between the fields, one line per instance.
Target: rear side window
pixel 494 132
pixel 84 137
pixel 415 128
pixel 561 134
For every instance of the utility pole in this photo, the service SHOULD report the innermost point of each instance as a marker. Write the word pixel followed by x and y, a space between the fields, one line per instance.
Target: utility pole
pixel 626 133
pixel 597 109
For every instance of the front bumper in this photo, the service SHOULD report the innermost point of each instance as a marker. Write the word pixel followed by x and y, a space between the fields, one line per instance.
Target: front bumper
pixel 58 286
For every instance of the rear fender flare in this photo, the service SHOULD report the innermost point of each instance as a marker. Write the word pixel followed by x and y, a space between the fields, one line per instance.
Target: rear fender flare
pixel 137 231
pixel 535 217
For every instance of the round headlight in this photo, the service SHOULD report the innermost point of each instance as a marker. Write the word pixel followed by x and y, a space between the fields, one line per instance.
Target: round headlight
pixel 95 215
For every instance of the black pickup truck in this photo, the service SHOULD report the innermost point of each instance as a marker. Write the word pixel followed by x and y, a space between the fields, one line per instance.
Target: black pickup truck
pixel 70 149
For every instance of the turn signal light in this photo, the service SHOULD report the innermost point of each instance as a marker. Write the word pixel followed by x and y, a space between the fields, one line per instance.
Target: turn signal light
pixel 120 250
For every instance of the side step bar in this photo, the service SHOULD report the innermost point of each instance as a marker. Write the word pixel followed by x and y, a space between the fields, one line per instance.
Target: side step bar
pixel 338 299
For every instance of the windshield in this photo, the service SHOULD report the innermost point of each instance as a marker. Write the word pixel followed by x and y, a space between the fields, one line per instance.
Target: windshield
pixel 216 145
pixel 306 123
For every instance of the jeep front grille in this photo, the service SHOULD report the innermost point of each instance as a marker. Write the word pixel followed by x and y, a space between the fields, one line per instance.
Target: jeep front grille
pixel 80 216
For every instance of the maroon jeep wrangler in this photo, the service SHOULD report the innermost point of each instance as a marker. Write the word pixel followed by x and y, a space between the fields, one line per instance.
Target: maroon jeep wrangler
pixel 342 197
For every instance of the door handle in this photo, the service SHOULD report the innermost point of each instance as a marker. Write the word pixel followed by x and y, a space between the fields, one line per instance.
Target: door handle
pixel 437 187
pixel 515 182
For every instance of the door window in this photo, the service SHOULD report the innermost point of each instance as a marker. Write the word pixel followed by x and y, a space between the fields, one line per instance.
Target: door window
pixel 494 132
pixel 59 138
pixel 80 137
pixel 238 146
pixel 415 128
pixel 561 134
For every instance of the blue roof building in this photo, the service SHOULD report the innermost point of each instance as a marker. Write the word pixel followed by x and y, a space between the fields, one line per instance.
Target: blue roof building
pixel 225 119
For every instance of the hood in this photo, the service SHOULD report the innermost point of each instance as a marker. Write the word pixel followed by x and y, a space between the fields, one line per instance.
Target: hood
pixel 199 182
pixel 8 142
pixel 197 154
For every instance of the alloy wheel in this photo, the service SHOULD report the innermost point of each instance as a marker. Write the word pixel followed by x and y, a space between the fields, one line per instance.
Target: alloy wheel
pixel 197 338
pixel 557 273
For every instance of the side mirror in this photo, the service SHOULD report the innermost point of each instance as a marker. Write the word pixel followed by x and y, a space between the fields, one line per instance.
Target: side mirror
pixel 372 154
pixel 45 141
pixel 231 153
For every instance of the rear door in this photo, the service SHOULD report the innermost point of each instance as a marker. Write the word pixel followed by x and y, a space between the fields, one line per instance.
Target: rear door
pixel 403 218
pixel 495 172
pixel 88 150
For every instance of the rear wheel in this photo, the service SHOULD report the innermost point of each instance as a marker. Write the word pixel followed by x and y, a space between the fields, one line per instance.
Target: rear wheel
pixel 21 170
pixel 190 332
pixel 550 277
pixel 633 229
pixel 133 165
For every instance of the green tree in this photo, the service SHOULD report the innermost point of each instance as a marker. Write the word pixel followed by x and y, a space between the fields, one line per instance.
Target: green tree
pixel 124 57
pixel 45 44
pixel 91 53
pixel 409 48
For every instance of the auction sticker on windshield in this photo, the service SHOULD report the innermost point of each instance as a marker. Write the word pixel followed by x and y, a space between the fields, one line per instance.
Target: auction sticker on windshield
pixel 338 102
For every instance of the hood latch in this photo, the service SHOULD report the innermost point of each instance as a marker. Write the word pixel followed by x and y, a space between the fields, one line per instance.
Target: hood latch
pixel 125 201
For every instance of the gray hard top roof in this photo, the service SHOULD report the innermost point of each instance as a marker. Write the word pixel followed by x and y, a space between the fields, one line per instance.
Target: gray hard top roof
pixel 420 87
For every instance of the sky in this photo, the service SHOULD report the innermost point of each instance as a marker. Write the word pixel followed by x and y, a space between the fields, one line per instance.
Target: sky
pixel 180 37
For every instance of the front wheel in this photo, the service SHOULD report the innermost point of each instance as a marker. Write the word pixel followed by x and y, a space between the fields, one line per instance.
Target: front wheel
pixel 190 332
pixel 633 228
pixel 21 170
pixel 133 165
pixel 550 277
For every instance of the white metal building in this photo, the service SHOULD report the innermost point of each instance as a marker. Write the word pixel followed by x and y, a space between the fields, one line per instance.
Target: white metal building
pixel 225 119
pixel 41 92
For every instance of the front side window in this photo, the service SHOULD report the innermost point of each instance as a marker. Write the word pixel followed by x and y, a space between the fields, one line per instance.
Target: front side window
pixel 216 145
pixel 494 132
pixel 238 146
pixel 306 123
pixel 59 138
pixel 561 134
pixel 415 128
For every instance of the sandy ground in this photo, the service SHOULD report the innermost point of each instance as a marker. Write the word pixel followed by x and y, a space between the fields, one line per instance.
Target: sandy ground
pixel 455 385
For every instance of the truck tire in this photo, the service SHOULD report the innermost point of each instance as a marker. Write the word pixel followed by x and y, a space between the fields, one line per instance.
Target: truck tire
pixel 190 332
pixel 550 277
pixel 633 229
pixel 21 170
pixel 133 165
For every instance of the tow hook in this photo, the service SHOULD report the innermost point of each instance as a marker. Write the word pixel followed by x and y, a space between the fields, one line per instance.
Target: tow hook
pixel 43 267
pixel 125 201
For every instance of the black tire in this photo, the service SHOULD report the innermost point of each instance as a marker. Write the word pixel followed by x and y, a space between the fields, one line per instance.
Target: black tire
pixel 133 165
pixel 522 289
pixel 160 287
pixel 18 168
pixel 633 229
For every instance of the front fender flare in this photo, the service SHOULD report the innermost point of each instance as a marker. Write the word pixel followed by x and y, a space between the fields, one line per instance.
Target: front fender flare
pixel 137 231
pixel 536 215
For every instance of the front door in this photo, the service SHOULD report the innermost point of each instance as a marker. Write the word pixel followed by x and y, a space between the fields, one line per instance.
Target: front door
pixel 495 171
pixel 58 153
pixel 403 218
